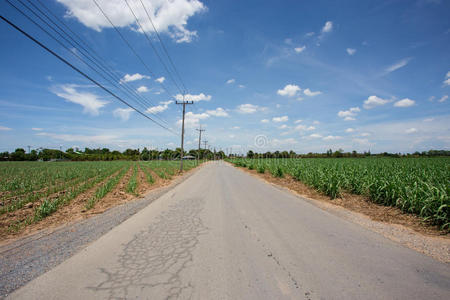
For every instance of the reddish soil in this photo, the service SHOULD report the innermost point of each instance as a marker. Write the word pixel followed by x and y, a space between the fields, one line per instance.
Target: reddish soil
pixel 357 203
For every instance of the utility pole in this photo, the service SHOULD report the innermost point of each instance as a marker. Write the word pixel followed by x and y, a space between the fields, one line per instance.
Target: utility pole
pixel 199 141
pixel 182 130
pixel 205 142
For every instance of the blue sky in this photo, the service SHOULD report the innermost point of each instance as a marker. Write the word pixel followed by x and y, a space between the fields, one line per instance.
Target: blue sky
pixel 264 75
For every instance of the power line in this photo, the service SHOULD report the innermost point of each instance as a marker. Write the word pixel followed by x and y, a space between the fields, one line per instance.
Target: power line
pixel 164 47
pixel 81 72
pixel 54 38
pixel 98 61
pixel 129 46
pixel 153 48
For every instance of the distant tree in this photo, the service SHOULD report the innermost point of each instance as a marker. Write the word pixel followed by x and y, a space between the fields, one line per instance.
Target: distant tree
pixel 250 154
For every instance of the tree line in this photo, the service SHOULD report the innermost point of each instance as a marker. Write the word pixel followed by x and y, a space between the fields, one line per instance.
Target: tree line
pixel 106 154
pixel 342 153
pixel 146 154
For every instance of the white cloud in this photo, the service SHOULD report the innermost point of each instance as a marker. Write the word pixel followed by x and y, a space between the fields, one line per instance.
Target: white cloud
pixel 315 122
pixel 37 129
pixel 91 103
pixel 280 119
pixel 170 17
pixel 248 108
pixel 309 34
pixel 232 80
pixel 364 134
pixel 164 105
pixel 300 49
pixel 332 137
pixel 142 89
pixel 160 79
pixel 404 103
pixel 374 101
pixel 235 127
pixel 134 77
pixel 284 126
pixel 351 51
pixel 123 113
pixel 290 90
pixel 315 136
pixel 310 93
pixel 265 121
pixel 431 98
pixel 241 86
pixel 193 120
pixel 397 65
pixel 349 130
pixel 428 120
pixel 349 115
pixel 195 98
pixel 411 130
pixel 301 127
pixel 447 80
pixel 328 27
pixel 443 98
pixel 218 112
pixel 298 121
pixel 3 128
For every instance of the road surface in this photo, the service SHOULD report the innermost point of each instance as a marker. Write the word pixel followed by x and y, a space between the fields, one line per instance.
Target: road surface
pixel 223 234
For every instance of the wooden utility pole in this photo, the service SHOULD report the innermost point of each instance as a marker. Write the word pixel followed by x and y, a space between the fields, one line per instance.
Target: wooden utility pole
pixel 182 130
pixel 199 141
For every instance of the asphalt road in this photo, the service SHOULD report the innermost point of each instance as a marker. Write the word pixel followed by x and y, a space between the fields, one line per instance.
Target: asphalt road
pixel 223 234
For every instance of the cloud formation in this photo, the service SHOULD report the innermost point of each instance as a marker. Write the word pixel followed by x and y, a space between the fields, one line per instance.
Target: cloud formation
pixel 351 51
pixel 310 93
pixel 91 103
pixel 170 17
pixel 164 105
pixel 404 103
pixel 374 101
pixel 195 98
pixel 398 65
pixel 123 113
pixel 142 89
pixel 290 90
pixel 134 77
pixel 280 119
pixel 218 112
pixel 350 114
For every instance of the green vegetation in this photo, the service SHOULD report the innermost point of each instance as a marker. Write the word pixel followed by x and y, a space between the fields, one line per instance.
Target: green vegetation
pixel 133 182
pixel 105 188
pixel 415 185
pixel 38 189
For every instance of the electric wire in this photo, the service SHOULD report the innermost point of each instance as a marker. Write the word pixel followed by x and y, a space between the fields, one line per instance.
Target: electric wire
pixel 153 48
pixel 59 42
pixel 81 72
pixel 143 102
pixel 164 48
pixel 131 48
pixel 74 53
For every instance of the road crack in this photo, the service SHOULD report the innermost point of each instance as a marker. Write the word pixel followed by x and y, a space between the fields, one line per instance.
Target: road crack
pixel 155 257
